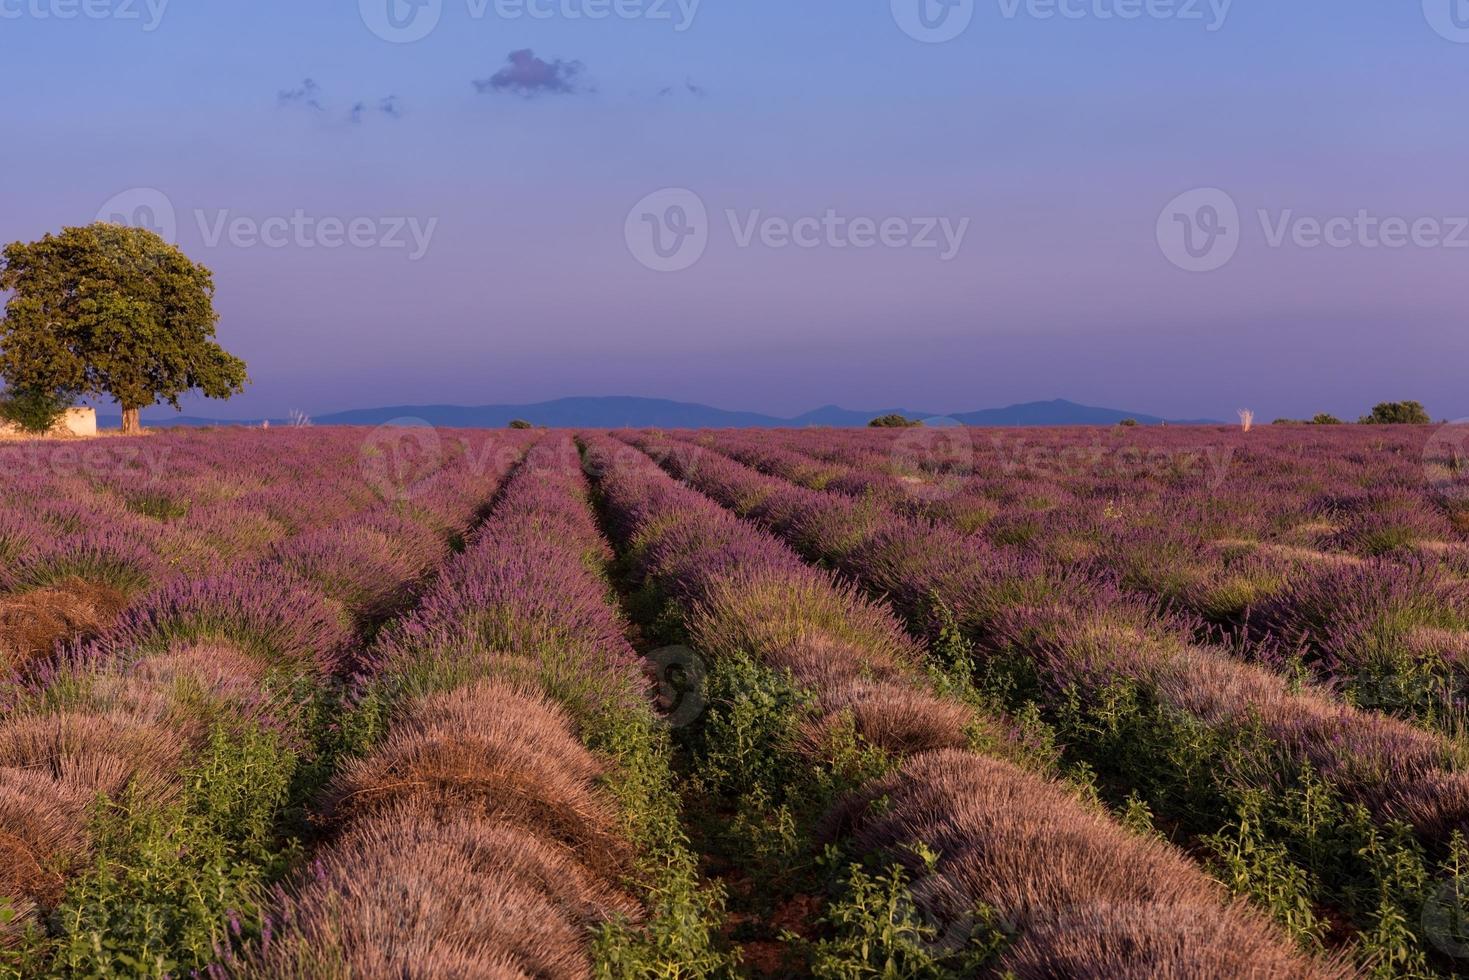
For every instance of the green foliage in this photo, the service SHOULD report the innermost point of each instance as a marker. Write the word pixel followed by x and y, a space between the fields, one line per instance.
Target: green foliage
pixel 169 884
pixel 1272 830
pixel 894 421
pixel 877 930
pixel 34 410
pixel 520 424
pixel 112 311
pixel 1397 413
pixel 1325 418
pixel 1128 423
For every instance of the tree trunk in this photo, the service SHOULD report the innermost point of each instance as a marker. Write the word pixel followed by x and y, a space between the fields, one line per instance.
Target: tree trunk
pixel 131 424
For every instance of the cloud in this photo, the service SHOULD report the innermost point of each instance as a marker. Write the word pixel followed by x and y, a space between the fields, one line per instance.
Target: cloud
pixel 390 106
pixel 697 91
pixel 308 94
pixel 530 76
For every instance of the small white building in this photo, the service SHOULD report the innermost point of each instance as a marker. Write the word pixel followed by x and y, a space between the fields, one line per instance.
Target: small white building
pixel 74 422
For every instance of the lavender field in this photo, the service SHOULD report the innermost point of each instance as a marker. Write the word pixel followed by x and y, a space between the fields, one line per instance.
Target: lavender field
pixel 925 702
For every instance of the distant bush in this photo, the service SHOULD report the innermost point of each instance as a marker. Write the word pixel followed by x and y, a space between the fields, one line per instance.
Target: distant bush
pixel 1397 413
pixel 34 411
pixel 1287 422
pixel 1129 423
pixel 893 421
pixel 1325 418
pixel 521 424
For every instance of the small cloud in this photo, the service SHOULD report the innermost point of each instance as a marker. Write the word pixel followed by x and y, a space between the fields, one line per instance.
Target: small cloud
pixel 697 91
pixel 529 76
pixel 391 107
pixel 308 94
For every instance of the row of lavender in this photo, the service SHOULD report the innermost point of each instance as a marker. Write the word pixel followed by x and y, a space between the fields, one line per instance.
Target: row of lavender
pixel 86 528
pixel 1340 553
pixel 150 781
pixel 1345 824
pixel 509 810
pixel 1011 872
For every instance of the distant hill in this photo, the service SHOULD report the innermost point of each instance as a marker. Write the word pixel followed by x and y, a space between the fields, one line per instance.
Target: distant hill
pixel 623 412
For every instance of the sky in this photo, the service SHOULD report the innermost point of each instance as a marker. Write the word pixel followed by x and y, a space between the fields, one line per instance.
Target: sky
pixel 1178 207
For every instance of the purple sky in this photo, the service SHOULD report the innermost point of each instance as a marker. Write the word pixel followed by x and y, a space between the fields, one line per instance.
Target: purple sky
pixel 518 147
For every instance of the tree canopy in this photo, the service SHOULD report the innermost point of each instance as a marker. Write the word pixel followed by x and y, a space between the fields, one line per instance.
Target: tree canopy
pixel 893 421
pixel 1397 413
pixel 111 311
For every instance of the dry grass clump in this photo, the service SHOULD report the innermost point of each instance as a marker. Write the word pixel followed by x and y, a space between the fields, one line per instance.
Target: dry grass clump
pixel 33 622
pixel 1085 897
pixel 497 751
pixel 52 766
pixel 405 894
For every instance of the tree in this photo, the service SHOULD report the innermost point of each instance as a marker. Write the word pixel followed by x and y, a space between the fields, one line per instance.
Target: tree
pixel 1397 413
pixel 520 424
pixel 107 310
pixel 1325 418
pixel 34 411
pixel 893 421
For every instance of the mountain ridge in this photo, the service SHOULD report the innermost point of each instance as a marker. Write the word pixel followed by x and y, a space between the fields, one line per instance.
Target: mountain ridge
pixel 621 411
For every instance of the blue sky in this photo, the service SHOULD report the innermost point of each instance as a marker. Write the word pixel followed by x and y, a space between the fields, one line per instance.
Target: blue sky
pixel 1057 141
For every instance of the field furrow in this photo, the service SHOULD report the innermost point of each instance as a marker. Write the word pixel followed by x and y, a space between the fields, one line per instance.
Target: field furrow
pixel 508 809
pixel 825 722
pixel 1346 825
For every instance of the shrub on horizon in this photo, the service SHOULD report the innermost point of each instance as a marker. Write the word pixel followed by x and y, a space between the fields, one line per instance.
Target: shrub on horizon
pixel 1325 418
pixel 1398 413
pixel 894 421
pixel 520 424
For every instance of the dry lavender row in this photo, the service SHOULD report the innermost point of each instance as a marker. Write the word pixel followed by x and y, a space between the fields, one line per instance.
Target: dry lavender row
pixel 1227 753
pixel 511 811
pixel 985 841
pixel 147 781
